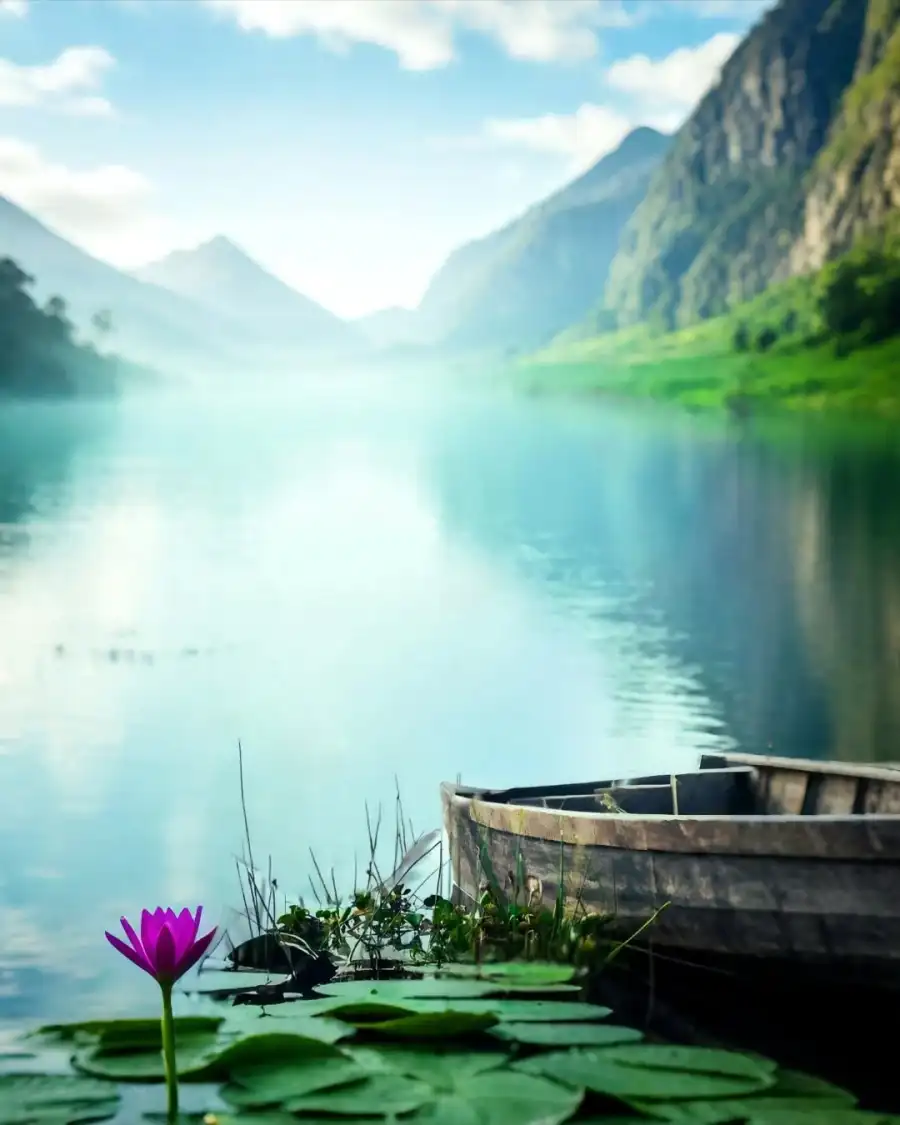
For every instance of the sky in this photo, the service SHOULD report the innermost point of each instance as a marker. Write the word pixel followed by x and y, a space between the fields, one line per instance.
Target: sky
pixel 349 146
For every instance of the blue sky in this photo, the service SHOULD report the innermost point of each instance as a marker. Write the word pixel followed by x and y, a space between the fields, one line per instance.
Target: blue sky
pixel 348 145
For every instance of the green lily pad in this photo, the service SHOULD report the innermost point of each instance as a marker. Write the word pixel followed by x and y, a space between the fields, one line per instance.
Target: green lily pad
pixel 380 1095
pixel 794 1083
pixel 57 1099
pixel 443 1068
pixel 249 1020
pixel 124 1034
pixel 363 1013
pixel 767 1111
pixel 522 1011
pixel 445 1024
pixel 566 1034
pixel 273 1083
pixel 398 991
pixel 237 980
pixel 649 1072
pixel 535 973
pixel 192 1054
pixel 498 1098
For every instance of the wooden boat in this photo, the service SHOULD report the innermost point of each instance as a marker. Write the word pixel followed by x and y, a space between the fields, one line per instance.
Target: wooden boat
pixel 758 857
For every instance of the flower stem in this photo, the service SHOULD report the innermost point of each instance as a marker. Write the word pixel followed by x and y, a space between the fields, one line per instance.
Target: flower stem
pixel 168 1044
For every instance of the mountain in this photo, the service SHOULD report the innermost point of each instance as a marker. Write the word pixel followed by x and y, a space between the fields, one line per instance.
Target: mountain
pixel 725 210
pixel 854 186
pixel 391 326
pixel 150 324
pixel 520 285
pixel 223 278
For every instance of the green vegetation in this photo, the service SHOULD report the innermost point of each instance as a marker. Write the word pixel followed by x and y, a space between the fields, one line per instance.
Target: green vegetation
pixel 496 1045
pixel 830 340
pixel 38 353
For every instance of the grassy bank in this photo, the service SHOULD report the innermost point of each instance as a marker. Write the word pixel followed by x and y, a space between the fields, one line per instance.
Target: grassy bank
pixel 828 342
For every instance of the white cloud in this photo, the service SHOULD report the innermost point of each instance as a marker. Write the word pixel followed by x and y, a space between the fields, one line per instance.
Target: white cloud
pixel 667 89
pixel 421 32
pixel 581 137
pixel 722 9
pixel 13 7
pixel 107 209
pixel 68 83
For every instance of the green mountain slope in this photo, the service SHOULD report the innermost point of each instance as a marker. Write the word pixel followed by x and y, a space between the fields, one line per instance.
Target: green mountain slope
pixel 723 214
pixel 854 186
pixel 522 284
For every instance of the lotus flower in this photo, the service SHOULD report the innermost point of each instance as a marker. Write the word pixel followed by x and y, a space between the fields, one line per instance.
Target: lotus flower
pixel 168 945
pixel 167 948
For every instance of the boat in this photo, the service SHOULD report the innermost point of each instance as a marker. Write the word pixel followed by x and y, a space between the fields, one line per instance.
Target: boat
pixel 757 857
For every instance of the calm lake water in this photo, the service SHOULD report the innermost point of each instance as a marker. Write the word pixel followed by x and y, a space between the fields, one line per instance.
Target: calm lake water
pixel 362 585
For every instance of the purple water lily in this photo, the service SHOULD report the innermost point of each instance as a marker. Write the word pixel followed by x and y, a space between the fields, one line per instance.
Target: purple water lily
pixel 168 945
pixel 167 948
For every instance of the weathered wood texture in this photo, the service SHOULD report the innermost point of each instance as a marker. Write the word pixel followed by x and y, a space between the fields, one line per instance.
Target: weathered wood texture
pixel 816 875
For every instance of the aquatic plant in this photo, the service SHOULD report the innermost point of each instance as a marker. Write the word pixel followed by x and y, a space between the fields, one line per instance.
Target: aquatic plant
pixel 166 949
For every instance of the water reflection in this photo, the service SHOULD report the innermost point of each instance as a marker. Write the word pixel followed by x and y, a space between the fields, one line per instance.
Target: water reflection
pixel 367 589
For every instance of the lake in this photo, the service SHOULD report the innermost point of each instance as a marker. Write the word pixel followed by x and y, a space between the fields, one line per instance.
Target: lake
pixel 365 585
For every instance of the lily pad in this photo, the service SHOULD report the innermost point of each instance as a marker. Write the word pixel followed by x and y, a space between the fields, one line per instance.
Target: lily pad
pixel 522 1011
pixel 273 1083
pixel 650 1073
pixel 499 1097
pixel 446 1024
pixel 397 991
pixel 566 1034
pixel 380 1095
pixel 58 1099
pixel 535 973
pixel 443 1068
pixel 767 1111
pixel 124 1035
pixel 249 1020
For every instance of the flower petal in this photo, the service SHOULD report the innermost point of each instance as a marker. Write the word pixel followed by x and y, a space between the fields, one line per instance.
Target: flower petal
pixel 165 954
pixel 132 936
pixel 193 955
pixel 131 954
pixel 151 924
pixel 183 929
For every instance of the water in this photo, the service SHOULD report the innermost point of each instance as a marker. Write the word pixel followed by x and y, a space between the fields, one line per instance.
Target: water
pixel 363 585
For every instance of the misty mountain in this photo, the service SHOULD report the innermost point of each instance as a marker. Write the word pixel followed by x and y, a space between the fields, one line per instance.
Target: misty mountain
pixel 522 284
pixel 150 324
pixel 390 326
pixel 223 278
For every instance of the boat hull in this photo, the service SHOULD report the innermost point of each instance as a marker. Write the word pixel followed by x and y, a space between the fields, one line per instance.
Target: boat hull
pixel 806 888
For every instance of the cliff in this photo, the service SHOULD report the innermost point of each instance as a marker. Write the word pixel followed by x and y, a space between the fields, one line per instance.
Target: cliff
pixel 724 213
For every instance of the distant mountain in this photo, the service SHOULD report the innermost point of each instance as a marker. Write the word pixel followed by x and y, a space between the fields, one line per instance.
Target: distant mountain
pixel 387 327
pixel 520 285
pixel 726 210
pixel 223 278
pixel 150 324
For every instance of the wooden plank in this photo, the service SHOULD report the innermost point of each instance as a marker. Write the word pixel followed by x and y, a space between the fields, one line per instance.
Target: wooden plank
pixel 854 837
pixel 786 790
pixel 875 771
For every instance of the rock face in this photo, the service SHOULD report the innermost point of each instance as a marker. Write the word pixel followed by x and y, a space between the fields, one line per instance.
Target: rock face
pixel 724 212
pixel 522 284
pixel 855 184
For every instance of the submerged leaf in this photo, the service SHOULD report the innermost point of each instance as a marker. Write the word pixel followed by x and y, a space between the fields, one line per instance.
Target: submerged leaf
pixel 56 1099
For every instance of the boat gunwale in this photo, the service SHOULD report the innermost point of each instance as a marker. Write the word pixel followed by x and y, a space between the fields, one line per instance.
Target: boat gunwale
pixel 787 835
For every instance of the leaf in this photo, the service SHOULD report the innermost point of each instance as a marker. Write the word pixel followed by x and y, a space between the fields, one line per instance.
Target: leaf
pixel 247 1019
pixel 522 1011
pixel 533 973
pixel 764 1111
pixel 192 1054
pixel 273 1083
pixel 380 1095
pixel 57 1099
pixel 124 1034
pixel 498 1098
pixel 435 1025
pixel 397 991
pixel 364 1013
pixel 443 1068
pixel 794 1083
pixel 566 1034
pixel 650 1072
pixel 233 980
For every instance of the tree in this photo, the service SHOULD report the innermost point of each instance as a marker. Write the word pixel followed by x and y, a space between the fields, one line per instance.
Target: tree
pixel 741 339
pixel 765 338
